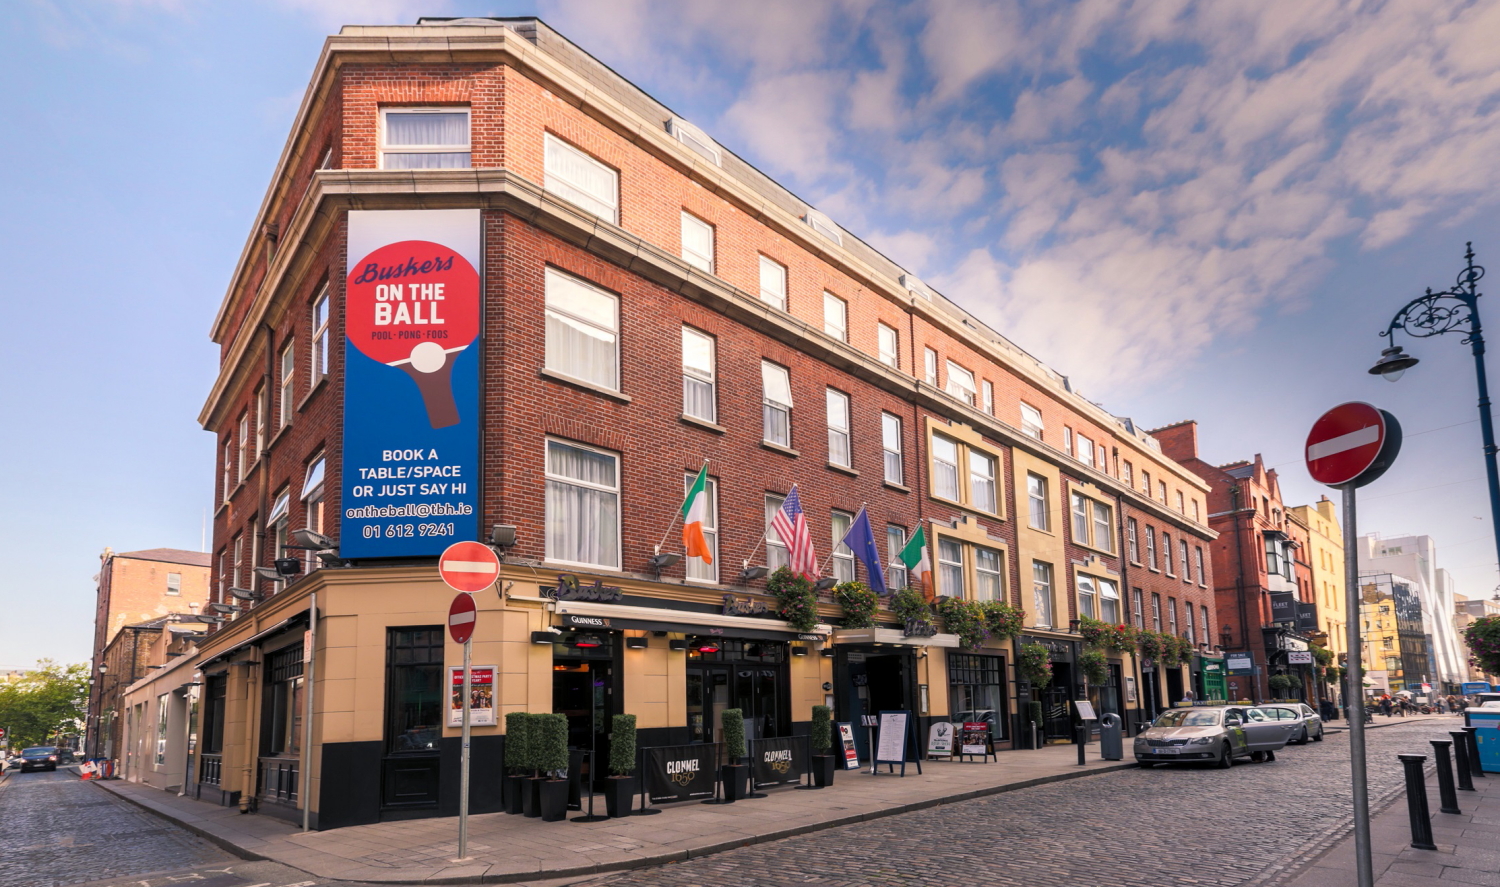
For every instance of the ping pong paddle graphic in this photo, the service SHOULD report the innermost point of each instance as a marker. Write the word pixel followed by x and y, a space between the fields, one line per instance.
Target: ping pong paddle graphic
pixel 414 305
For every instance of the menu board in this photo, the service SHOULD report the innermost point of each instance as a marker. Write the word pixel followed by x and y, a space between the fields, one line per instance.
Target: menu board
pixel 890 745
pixel 846 741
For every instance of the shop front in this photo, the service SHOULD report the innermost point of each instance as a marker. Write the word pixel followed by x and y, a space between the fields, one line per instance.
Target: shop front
pixel 1056 699
pixel 887 669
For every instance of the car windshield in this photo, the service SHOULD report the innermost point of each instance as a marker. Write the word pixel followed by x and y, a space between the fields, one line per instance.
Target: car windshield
pixel 38 751
pixel 1187 718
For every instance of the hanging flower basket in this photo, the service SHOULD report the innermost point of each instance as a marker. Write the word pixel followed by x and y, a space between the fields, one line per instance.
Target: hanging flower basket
pixel 1150 643
pixel 1003 620
pixel 967 619
pixel 795 599
pixel 1034 664
pixel 1094 666
pixel 859 602
pixel 912 609
pixel 1104 636
pixel 1483 637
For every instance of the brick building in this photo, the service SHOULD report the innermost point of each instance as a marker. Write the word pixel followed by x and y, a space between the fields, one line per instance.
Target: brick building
pixel 616 302
pixel 135 588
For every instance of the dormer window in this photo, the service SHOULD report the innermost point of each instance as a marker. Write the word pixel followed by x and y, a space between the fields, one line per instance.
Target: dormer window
pixel 824 226
pixel 696 140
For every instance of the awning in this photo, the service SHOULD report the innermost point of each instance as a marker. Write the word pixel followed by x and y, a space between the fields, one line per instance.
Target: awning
pixel 288 622
pixel 613 617
pixel 891 636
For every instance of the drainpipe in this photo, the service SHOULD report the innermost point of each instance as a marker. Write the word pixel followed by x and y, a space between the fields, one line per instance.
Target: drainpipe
pixel 262 411
pixel 1239 583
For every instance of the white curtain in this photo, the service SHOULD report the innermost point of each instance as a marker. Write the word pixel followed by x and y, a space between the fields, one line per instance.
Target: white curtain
pixel 951 568
pixel 697 374
pixel 982 482
pixel 427 129
pixel 576 177
pixel 583 518
pixel 945 468
pixel 987 574
pixel 581 324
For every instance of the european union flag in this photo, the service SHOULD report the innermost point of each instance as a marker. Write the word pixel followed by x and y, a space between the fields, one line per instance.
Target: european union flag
pixel 861 540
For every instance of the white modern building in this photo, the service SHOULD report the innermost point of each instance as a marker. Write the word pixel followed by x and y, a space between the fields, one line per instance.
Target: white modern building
pixel 1415 557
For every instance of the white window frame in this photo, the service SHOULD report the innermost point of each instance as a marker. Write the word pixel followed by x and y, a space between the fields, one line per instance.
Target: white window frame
pixel 840 442
pixel 228 466
pixel 698 376
pixel 1187 565
pixel 895 573
pixel 989 585
pixel 1181 503
pixel 1080 518
pixel 555 353
pixel 1168 555
pixel 961 384
pixel 244 459
pixel 1128 475
pixel 279 520
pixel 771 406
pixel 949 569
pixel 313 495
pixel 890 445
pixel 1088 597
pixel 1172 616
pixel 987 391
pixel 561 184
pixel 1198 549
pixel 287 382
pixel 1038 505
pixel 1138 608
pixel 696 140
pixel 696 569
pixel 386 148
pixel 842 564
pixel 1133 540
pixel 782 556
pixel 1067 440
pixel 261 405
pixel 930 366
pixel 1085 449
pixel 1156 611
pixel 1041 593
pixel 1103 516
pixel 691 254
pixel 835 316
pixel 1188 628
pixel 1031 421
pixel 824 226
pixel 773 282
pixel 1151 561
pixel 983 469
pixel 944 469
pixel 319 339
pixel 174 584
pixel 549 477
pixel 1109 600
pixel 889 343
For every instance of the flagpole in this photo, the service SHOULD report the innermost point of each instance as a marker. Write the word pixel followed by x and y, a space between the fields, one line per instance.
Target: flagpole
pixel 844 541
pixel 675 518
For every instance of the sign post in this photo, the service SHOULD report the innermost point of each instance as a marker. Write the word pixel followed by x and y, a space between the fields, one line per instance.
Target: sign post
pixel 1348 447
pixel 466 567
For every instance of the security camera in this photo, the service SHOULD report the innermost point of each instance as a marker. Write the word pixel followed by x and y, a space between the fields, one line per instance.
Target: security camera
pixel 313 541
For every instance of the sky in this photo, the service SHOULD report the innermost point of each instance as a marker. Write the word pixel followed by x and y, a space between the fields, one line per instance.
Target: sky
pixel 1194 210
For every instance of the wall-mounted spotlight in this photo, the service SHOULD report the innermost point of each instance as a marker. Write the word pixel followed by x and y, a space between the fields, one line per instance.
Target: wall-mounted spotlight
pixel 661 560
pixel 826 653
pixel 245 594
pixel 799 651
pixel 311 541
pixel 749 572
pixel 223 608
pixel 269 574
pixel 544 637
pixel 503 536
pixel 824 584
pixel 636 643
pixel 677 644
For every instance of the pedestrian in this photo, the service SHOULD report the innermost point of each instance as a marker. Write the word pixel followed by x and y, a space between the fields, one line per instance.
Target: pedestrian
pixel 1385 704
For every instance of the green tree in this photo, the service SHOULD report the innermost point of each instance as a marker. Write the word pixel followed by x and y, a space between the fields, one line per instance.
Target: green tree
pixel 50 700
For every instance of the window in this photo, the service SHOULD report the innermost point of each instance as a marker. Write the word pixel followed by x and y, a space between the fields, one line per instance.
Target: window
pixel 284 708
pixel 1036 502
pixel 260 421
pixel 1198 562
pixel 223 575
pixel 890 444
pixel 1146 483
pixel 988 389
pixel 319 338
pixel 697 242
pixel 1132 542
pixel 982 482
pixel 895 574
pixel 698 363
pixel 1155 611
pixel 838 428
pixel 278 521
pixel 1031 421
pixel 583 505
pixel 424 138
pixel 961 383
pixel 843 557
pixel 696 140
pixel 1087 597
pixel 1137 608
pixel 835 317
pixel 1092 523
pixel 246 458
pixel 1204 626
pixel 582 322
pixel 239 561
pixel 1080 519
pixel 1172 616
pixel 174 583
pixel 776 553
pixel 1041 592
pixel 1151 548
pixel 977 684
pixel 773 283
pixel 312 504
pixel 414 689
pixel 930 366
pixel 890 345
pixel 824 226
pixel 288 375
pixel 1195 510
pixel 228 467
pixel 951 567
pixel 1109 600
pixel 1182 551
pixel 1161 487
pixel 1085 450
pixel 578 178
pixel 987 584
pixel 1167 554
pixel 944 468
pixel 1187 624
pixel 699 570
pixel 1129 475
pixel 776 385
pixel 161 728
pixel 1181 503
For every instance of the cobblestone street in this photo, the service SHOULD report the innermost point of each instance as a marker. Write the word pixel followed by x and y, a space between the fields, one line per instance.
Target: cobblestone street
pixel 1172 825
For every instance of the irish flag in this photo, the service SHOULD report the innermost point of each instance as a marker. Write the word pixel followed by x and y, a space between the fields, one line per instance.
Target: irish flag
pixel 694 512
pixel 918 563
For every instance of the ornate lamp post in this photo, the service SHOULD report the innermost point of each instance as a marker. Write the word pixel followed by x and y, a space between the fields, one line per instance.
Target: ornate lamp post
pixel 1453 310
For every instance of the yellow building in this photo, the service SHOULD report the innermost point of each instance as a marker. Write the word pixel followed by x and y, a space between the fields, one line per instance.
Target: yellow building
pixel 1326 557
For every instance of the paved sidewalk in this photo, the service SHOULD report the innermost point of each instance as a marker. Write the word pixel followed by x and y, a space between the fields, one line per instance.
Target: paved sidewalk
pixel 1468 843
pixel 1342 725
pixel 515 849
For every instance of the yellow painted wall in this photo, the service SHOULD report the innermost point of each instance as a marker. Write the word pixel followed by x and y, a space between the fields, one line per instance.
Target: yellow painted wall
pixel 1326 555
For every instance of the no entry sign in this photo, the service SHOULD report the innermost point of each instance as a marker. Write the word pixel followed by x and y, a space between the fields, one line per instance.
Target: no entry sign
pixel 1352 444
pixel 461 616
pixel 469 566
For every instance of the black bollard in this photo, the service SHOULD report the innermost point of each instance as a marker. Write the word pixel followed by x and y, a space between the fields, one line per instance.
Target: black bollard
pixel 1416 802
pixel 1446 794
pixel 1082 738
pixel 1461 760
pixel 1474 765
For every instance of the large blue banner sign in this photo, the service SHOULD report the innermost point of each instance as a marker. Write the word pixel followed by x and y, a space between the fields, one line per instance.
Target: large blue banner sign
pixel 412 312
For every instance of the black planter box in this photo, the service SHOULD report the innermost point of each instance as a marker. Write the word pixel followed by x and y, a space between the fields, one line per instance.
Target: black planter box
pixel 531 797
pixel 823 768
pixel 733 777
pixel 554 798
pixel 619 794
pixel 513 786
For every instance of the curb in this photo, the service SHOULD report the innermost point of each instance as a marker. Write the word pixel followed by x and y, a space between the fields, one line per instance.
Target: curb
pixel 659 859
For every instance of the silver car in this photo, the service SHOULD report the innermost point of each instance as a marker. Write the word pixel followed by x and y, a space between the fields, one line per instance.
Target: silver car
pixel 1308 726
pixel 1210 734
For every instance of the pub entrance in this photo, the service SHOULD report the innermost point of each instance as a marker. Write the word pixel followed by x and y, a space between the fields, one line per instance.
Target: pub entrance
pixel 583 688
pixel 1057 708
pixel 872 679
pixel 748 675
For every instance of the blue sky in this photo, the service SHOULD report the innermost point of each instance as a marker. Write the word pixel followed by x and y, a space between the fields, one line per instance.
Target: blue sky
pixel 1196 210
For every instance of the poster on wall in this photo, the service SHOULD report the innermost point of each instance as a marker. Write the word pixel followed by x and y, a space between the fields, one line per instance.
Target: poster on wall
pixel 846 742
pixel 680 772
pixel 412 313
pixel 481 696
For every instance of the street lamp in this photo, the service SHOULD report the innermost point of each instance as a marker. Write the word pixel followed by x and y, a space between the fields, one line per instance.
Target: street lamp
pixel 1432 314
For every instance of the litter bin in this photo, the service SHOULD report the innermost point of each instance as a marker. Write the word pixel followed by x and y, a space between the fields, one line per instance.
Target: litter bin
pixel 1111 741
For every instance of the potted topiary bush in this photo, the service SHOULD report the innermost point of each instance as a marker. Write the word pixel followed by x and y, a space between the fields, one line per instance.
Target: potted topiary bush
pixel 1279 684
pixel 824 763
pixel 620 787
pixel 517 759
pixel 551 754
pixel 531 787
pixel 734 773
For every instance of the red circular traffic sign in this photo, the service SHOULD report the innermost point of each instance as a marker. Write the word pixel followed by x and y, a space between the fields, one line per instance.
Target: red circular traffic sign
pixel 1346 442
pixel 469 566
pixel 462 614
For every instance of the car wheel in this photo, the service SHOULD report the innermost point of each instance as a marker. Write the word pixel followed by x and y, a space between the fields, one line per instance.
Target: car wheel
pixel 1226 759
pixel 1319 737
pixel 1304 740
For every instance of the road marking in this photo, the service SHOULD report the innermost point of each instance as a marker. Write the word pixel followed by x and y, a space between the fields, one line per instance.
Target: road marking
pixel 1344 442
pixel 469 566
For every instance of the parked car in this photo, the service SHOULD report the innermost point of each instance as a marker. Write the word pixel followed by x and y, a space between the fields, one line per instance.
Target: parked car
pixel 1310 724
pixel 1216 735
pixel 41 757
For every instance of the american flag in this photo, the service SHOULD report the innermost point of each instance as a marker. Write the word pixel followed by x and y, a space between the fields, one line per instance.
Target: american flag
pixel 791 525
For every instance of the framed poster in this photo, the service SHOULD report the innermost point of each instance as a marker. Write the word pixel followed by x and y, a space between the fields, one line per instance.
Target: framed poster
pixel 846 741
pixel 481 696
pixel 890 743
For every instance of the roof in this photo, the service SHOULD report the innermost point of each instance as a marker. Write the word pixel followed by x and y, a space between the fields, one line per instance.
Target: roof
pixel 170 556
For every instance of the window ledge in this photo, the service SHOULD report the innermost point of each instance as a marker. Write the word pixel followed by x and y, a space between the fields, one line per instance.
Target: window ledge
pixel 1104 551
pixel 586 386
pixel 276 438
pixel 701 423
pixel 1154 569
pixel 1041 530
pixel 778 448
pixel 902 488
pixel 309 395
pixel 843 469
